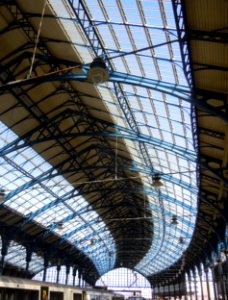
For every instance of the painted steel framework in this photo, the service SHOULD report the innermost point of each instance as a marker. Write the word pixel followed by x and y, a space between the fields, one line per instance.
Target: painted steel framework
pixel 105 151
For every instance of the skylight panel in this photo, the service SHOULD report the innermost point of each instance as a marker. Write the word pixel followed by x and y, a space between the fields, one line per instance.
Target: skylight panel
pixel 139 37
pixel 108 38
pixel 133 66
pixel 96 12
pixel 149 68
pixel 152 13
pixel 71 28
pixel 129 11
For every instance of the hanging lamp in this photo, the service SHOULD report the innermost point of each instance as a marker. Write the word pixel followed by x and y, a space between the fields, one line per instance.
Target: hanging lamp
pixel 98 71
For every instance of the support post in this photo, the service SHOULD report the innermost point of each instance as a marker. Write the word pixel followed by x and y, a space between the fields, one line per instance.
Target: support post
pixel 225 277
pixel 179 289
pixel 74 274
pixel 185 278
pixel 220 271
pixel 201 282
pixel 190 284
pixel 4 251
pixel 79 277
pixel 46 260
pixel 58 267
pixel 207 282
pixel 67 273
pixel 28 257
pixel 215 289
pixel 159 290
pixel 195 284
pixel 168 285
pixel 174 290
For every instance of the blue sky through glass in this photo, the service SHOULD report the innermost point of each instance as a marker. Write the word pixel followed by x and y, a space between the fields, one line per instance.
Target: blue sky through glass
pixel 162 120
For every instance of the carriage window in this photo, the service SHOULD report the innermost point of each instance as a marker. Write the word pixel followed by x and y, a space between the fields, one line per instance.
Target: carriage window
pixel 77 296
pixel 18 294
pixel 56 296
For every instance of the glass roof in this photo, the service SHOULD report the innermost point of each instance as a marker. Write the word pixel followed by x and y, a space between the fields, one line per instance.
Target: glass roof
pixel 49 204
pixel 162 121
pixel 125 27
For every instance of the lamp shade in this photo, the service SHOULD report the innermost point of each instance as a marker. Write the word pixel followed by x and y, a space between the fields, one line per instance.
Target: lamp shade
pixel 181 240
pixel 2 195
pixel 98 72
pixel 157 181
pixel 174 220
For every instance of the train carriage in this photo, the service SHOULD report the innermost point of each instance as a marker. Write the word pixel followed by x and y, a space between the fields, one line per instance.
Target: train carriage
pixel 23 289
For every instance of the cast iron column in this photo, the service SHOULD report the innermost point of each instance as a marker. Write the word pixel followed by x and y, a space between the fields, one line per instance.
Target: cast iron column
pixel 45 266
pixel 195 284
pixel 208 286
pixel 79 278
pixel 201 283
pixel 4 251
pixel 74 275
pixel 67 273
pixel 190 283
pixel 221 281
pixel 58 267
pixel 168 290
pixel 28 257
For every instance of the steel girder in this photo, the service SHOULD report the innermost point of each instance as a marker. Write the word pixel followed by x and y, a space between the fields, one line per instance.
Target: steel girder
pixel 97 46
pixel 36 136
pixel 126 191
pixel 85 210
pixel 184 46
pixel 217 209
pixel 207 36
pixel 81 191
pixel 219 171
pixel 45 58
pixel 178 91
pixel 63 167
pixel 52 133
pixel 211 204
pixel 121 132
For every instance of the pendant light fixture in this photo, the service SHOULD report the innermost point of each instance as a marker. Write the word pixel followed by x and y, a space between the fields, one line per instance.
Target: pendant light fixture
pixel 157 181
pixel 98 71
pixel 174 220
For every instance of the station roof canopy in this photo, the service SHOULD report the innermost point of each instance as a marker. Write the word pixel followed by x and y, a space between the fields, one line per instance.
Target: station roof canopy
pixel 113 134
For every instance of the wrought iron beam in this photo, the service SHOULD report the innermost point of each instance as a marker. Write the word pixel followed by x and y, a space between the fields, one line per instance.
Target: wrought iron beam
pixel 219 172
pixel 178 91
pixel 83 17
pixel 121 132
pixel 207 36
